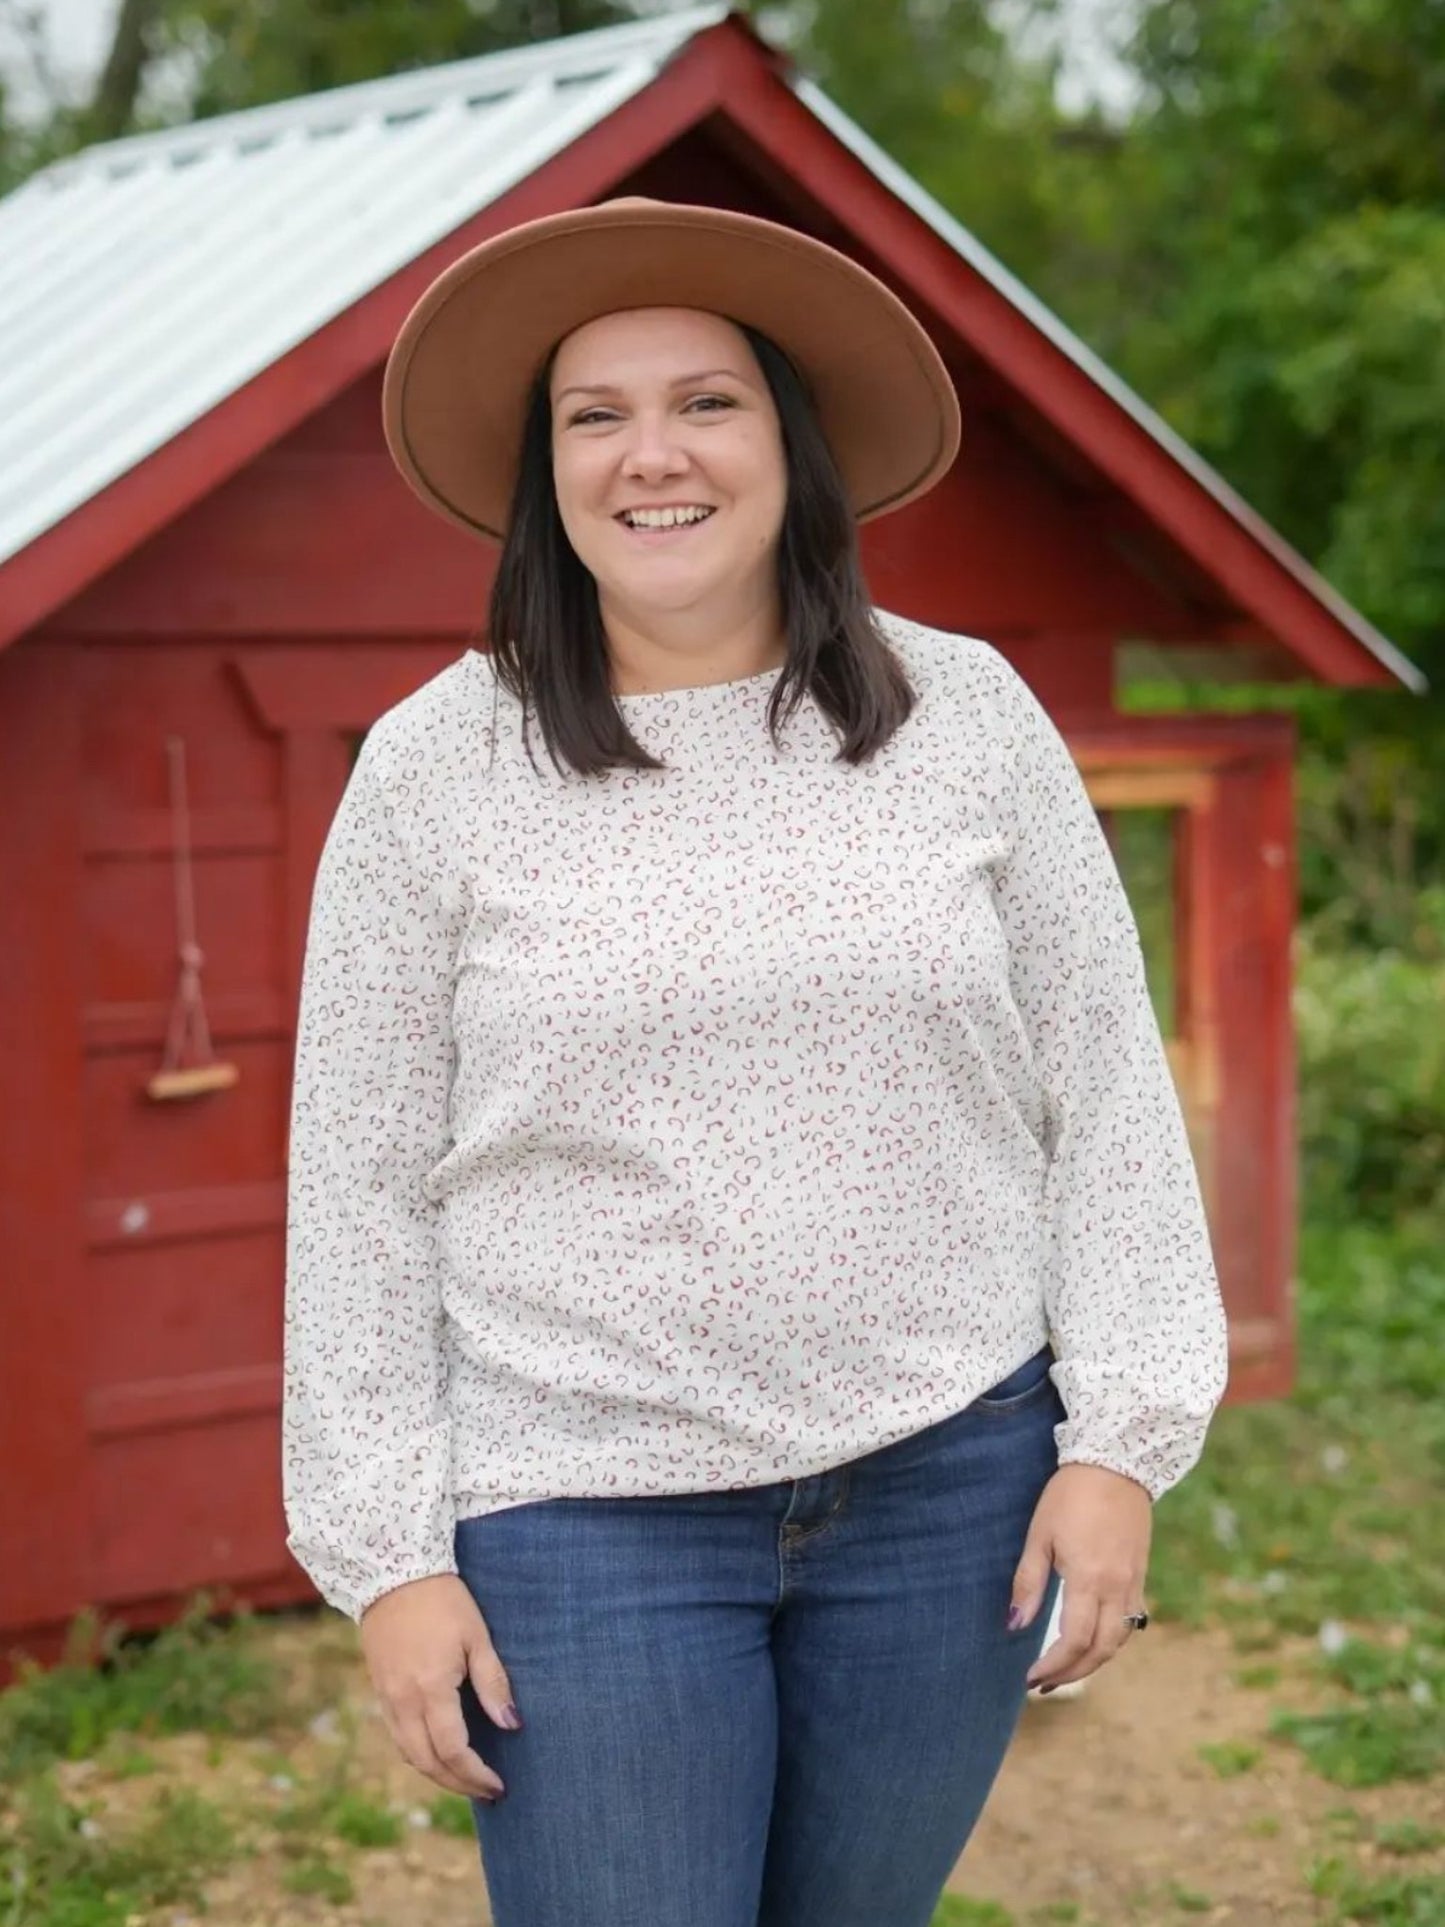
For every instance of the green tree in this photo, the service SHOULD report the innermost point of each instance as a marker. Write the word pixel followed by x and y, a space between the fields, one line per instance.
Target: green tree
pixel 1259 249
pixel 249 51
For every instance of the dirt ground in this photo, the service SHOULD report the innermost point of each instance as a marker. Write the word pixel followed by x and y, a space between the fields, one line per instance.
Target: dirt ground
pixel 1103 1801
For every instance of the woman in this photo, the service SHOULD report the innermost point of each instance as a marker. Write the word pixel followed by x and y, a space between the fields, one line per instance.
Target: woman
pixel 743 1246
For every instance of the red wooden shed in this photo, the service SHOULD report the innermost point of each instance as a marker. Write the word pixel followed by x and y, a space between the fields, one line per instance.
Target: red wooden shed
pixel 203 544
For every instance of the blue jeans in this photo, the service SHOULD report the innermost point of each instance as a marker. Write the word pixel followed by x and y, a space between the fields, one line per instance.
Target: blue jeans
pixel 781 1706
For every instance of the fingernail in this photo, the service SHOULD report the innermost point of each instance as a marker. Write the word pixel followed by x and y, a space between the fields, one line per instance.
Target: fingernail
pixel 1045 1689
pixel 1015 1618
pixel 511 1718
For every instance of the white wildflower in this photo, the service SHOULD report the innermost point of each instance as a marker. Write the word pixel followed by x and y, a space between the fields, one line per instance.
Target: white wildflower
pixel 1334 1458
pixel 1274 1581
pixel 282 1782
pixel 1422 1693
pixel 1333 1637
pixel 89 1828
pixel 324 1727
pixel 419 1817
pixel 1226 1524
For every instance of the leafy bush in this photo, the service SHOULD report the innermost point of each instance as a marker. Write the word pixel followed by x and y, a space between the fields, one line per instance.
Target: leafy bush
pixel 1371 1037
pixel 194 1676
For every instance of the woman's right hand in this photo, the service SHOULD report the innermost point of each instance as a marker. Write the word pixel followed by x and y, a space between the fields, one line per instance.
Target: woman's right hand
pixel 420 1641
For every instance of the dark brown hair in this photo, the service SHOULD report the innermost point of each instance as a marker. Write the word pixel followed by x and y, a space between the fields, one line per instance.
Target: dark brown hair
pixel 545 626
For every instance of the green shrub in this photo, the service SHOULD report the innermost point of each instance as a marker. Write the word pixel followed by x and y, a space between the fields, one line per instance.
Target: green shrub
pixel 62 1866
pixel 193 1676
pixel 1370 1030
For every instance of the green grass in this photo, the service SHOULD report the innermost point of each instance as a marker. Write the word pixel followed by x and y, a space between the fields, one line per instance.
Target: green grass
pixel 1325 1506
pixel 62 1866
pixel 1188 1901
pixel 330 1807
pixel 316 1874
pixel 1408 1837
pixel 1362 1746
pixel 193 1676
pixel 1322 1513
pixel 1231 1757
pixel 957 1910
pixel 1395 1901
pixel 450 1813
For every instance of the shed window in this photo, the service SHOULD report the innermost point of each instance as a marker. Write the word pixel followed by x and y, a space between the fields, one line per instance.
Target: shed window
pixel 1144 841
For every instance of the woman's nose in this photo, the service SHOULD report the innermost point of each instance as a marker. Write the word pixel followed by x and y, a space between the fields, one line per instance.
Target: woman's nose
pixel 652 448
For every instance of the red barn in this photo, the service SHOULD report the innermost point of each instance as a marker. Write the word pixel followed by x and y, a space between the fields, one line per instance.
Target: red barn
pixel 212 580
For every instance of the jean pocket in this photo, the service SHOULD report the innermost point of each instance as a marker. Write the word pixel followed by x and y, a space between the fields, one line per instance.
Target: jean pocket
pixel 1021 1387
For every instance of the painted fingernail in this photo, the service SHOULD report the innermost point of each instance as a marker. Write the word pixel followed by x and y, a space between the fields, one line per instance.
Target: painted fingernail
pixel 1015 1618
pixel 511 1718
pixel 1045 1689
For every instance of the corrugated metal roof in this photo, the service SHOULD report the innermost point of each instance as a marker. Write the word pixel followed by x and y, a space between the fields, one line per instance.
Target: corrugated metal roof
pixel 147 279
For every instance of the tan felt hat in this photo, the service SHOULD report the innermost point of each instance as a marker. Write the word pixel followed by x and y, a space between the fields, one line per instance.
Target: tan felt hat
pixel 455 390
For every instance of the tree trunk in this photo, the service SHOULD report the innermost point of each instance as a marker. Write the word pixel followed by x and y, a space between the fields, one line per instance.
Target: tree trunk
pixel 113 105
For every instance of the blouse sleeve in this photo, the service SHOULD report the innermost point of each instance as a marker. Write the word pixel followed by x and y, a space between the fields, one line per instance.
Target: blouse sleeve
pixel 1131 1290
pixel 366 1447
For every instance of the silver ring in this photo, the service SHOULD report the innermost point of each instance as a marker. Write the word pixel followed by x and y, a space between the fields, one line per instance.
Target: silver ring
pixel 1137 1620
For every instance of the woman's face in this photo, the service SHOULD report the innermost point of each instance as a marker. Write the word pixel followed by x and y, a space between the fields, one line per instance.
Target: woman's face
pixel 667 408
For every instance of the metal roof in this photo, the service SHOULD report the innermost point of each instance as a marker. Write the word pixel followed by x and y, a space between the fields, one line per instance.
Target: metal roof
pixel 147 279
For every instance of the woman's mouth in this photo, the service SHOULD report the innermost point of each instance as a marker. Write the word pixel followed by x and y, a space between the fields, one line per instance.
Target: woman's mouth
pixel 654 529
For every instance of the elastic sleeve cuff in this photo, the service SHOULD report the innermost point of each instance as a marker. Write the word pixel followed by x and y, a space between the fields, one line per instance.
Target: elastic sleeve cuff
pixel 392 1581
pixel 1115 1462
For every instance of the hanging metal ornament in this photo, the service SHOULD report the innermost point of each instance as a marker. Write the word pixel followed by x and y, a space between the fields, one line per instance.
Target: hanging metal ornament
pixel 188 1012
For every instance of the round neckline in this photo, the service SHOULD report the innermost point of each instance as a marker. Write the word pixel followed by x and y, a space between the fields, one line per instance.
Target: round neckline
pixel 483 659
pixel 696 688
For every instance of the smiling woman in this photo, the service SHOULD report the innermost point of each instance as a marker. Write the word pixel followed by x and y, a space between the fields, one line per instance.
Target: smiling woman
pixel 705 1341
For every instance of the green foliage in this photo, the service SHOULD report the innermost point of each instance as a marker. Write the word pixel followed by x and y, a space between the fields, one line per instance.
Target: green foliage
pixel 1230 1758
pixel 958 1910
pixel 61 1867
pixel 1325 1506
pixel 362 1822
pixel 450 1813
pixel 1371 1042
pixel 1188 1900
pixel 193 1676
pixel 246 53
pixel 1393 1902
pixel 1371 1745
pixel 316 1874
pixel 1405 1837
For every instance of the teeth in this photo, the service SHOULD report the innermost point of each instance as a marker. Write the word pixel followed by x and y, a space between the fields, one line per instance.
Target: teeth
pixel 664 518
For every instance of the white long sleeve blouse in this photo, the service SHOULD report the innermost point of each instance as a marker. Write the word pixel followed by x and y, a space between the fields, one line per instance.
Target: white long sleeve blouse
pixel 691 1129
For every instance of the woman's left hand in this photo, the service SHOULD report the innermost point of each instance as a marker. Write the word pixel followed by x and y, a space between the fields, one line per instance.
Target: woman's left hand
pixel 1094 1527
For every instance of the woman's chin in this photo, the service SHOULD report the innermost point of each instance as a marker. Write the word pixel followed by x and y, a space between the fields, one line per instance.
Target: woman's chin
pixel 667 590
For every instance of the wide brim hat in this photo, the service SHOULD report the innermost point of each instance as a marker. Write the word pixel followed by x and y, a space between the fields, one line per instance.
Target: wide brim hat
pixel 455 390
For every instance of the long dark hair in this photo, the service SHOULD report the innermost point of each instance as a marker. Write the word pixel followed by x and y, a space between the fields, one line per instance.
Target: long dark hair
pixel 545 627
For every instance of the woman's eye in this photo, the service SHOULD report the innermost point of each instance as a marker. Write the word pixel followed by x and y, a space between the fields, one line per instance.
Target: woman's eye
pixel 589 415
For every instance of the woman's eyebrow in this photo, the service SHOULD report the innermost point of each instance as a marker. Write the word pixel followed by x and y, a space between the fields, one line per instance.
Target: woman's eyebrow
pixel 680 381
